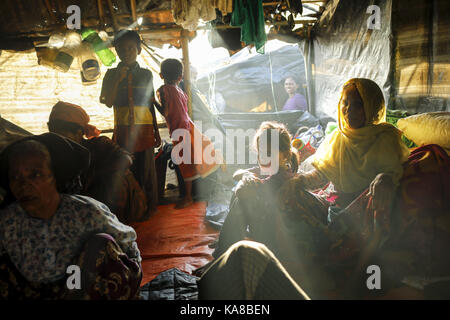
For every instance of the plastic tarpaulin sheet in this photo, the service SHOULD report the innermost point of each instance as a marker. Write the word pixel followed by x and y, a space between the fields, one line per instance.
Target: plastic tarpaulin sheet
pixel 174 239
pixel 9 132
pixel 345 47
pixel 216 213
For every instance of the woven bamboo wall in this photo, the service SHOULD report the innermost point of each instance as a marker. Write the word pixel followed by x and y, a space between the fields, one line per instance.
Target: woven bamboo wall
pixel 421 31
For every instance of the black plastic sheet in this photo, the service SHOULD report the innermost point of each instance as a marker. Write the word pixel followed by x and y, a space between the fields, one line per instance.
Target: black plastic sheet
pixel 171 284
pixel 216 213
pixel 9 132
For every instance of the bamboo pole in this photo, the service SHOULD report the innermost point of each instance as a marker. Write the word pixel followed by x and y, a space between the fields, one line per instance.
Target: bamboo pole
pixel 187 69
pixel 309 60
pixel 133 10
pixel 101 14
pixel 113 16
pixel 50 11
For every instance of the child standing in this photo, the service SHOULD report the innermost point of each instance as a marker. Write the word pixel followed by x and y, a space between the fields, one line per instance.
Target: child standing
pixel 129 89
pixel 175 110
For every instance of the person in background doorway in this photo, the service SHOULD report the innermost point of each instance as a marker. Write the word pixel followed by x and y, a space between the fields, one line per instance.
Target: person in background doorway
pixel 296 101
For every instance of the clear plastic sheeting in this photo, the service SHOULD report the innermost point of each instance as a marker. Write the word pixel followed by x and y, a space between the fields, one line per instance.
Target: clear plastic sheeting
pixel 344 46
pixel 253 81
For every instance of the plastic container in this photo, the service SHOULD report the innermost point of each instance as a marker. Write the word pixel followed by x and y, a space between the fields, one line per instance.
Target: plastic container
pixel 106 56
pixel 56 40
pixel 46 56
pixel 86 82
pixel 66 54
pixel 88 63
pixel 63 60
pixel 331 126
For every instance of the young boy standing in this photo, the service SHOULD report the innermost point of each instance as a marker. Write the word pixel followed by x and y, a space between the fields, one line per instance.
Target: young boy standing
pixel 175 110
pixel 129 89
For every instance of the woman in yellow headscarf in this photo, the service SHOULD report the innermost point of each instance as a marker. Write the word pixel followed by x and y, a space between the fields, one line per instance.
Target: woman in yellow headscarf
pixel 364 152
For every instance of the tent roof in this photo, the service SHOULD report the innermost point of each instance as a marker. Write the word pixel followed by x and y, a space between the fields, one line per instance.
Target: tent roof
pixel 24 21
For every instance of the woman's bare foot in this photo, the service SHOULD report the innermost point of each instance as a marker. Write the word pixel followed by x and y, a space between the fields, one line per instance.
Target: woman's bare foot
pixel 184 203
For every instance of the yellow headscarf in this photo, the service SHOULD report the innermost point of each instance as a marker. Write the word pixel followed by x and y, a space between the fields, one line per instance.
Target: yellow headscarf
pixel 351 158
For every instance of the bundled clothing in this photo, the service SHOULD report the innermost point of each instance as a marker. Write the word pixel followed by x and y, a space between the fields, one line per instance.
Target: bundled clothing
pixel 109 180
pixel 188 13
pixel 224 6
pixel 249 15
pixel 198 164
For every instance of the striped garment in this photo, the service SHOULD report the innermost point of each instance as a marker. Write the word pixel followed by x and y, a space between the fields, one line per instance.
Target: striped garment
pixel 133 121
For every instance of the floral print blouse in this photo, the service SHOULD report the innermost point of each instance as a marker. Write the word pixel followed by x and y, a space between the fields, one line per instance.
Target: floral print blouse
pixel 42 249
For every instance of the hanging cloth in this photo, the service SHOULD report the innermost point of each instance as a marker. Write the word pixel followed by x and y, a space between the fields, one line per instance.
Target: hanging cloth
pixel 188 13
pixel 224 6
pixel 249 15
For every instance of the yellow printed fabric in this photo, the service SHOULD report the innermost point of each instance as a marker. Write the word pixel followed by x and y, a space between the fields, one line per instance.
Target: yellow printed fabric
pixel 351 158
pixel 142 115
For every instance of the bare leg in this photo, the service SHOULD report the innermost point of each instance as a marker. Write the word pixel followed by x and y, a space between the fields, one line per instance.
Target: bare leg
pixel 187 200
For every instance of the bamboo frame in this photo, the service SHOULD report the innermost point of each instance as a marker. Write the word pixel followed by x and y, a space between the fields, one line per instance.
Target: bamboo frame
pixel 133 10
pixel 101 13
pixel 50 12
pixel 113 15
pixel 187 68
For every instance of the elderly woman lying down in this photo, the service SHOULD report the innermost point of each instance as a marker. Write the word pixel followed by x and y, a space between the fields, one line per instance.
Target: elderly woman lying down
pixel 43 231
